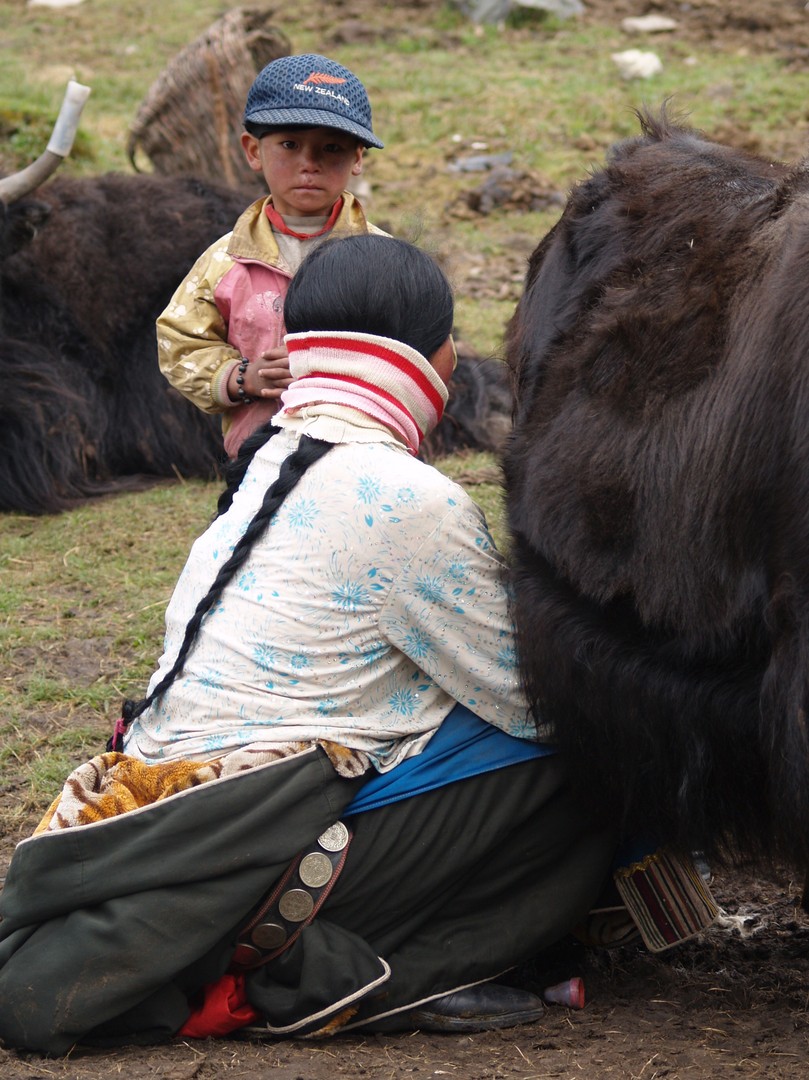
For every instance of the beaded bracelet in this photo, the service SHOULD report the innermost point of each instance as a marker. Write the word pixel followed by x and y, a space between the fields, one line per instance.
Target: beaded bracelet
pixel 244 397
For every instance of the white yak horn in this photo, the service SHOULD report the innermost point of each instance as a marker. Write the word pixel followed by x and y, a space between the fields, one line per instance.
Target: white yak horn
pixel 21 183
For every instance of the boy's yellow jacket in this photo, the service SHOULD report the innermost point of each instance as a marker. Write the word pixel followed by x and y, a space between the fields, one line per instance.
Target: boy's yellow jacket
pixel 230 306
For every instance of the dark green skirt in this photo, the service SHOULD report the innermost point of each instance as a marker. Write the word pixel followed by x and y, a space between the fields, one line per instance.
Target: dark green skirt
pixel 109 930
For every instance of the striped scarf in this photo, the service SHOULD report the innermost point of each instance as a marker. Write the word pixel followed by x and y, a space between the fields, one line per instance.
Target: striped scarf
pixel 380 377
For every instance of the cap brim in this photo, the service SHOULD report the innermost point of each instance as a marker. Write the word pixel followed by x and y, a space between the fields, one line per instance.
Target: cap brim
pixel 314 118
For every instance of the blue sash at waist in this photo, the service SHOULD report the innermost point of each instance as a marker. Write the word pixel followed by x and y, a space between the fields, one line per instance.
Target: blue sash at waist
pixel 463 746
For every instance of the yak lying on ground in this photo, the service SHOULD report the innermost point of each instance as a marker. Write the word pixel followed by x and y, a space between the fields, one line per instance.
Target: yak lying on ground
pixel 85 268
pixel 478 413
pixel 658 490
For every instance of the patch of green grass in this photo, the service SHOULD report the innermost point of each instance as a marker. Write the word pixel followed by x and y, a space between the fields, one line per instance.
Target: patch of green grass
pixel 45 759
pixel 41 689
pixel 479 474
pixel 102 573
pixel 56 758
pixel 82 624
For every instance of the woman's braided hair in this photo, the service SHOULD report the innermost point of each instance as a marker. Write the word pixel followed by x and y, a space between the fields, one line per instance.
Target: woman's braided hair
pixel 236 470
pixel 293 467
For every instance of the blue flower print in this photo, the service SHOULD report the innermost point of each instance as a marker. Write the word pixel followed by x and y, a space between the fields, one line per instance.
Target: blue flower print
pixel 372 654
pixel 430 589
pixel 299 660
pixel 302 514
pixel 217 741
pixel 388 510
pixel 507 658
pixel 326 706
pixel 523 728
pixel 458 570
pixel 349 595
pixel 246 581
pixel 158 708
pixel 484 542
pixel 368 489
pixel 368 654
pixel 217 609
pixel 212 680
pixel 417 644
pixel 404 702
pixel 406 497
pixel 264 656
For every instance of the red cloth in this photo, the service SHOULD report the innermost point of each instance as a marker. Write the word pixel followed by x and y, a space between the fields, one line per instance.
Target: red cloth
pixel 223 1009
pixel 278 222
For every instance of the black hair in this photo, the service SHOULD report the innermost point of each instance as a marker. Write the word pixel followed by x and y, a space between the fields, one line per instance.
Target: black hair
pixel 237 467
pixel 258 131
pixel 365 284
pixel 292 469
pixel 372 285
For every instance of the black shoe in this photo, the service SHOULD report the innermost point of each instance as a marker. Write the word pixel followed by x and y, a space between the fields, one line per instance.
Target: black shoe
pixel 478 1008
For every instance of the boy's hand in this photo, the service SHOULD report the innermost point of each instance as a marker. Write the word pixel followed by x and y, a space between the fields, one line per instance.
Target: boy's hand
pixel 266 377
pixel 272 372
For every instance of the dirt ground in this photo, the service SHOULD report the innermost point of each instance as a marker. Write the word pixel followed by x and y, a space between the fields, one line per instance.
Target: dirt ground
pixel 734 1003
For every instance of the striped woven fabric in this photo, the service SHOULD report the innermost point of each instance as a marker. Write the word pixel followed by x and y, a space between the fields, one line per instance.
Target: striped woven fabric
pixel 382 378
pixel 667 898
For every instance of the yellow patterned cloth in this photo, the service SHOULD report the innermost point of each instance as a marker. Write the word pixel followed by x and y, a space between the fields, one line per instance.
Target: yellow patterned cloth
pixel 112 784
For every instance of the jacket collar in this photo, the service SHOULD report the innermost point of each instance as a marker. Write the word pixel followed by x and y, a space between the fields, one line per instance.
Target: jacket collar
pixel 253 238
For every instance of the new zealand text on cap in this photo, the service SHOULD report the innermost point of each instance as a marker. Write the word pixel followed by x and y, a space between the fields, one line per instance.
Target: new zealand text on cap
pixel 311 91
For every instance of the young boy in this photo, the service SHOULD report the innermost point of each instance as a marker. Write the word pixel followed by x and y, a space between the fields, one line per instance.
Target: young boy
pixel 220 340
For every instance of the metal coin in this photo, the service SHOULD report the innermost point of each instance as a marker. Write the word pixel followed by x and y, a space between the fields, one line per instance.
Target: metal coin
pixel 245 954
pixel 334 838
pixel 315 869
pixel 296 905
pixel 268 935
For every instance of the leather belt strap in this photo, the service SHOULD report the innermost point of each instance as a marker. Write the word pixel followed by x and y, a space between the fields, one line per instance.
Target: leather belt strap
pixel 294 901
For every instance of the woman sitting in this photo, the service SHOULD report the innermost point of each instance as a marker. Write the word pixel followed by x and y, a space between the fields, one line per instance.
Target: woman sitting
pixel 331 811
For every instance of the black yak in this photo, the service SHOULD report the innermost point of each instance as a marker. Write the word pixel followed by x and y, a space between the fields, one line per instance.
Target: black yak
pixel 85 268
pixel 658 491
pixel 478 413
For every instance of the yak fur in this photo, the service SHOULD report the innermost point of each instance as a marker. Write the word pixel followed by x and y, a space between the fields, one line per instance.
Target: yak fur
pixel 658 491
pixel 86 266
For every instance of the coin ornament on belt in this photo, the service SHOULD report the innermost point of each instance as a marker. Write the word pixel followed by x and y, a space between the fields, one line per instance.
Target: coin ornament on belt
pixel 315 869
pixel 334 838
pixel 245 954
pixel 269 935
pixel 296 905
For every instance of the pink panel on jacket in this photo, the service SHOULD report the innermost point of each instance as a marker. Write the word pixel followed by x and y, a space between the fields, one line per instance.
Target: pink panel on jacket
pixel 250 297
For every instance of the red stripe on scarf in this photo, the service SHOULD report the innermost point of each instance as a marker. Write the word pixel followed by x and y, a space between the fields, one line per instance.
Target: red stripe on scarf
pixel 377 390
pixel 381 353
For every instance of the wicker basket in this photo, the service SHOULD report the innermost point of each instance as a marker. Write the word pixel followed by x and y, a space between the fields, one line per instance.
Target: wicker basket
pixel 191 119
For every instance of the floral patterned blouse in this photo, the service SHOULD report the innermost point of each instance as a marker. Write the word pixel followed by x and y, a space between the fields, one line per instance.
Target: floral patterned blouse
pixel 372 604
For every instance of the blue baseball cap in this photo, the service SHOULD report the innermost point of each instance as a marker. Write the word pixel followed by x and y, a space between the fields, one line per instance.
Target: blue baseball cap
pixel 310 91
